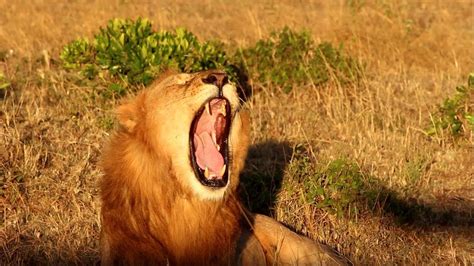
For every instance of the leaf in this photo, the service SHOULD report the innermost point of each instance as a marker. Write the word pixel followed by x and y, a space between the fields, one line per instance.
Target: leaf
pixel 4 85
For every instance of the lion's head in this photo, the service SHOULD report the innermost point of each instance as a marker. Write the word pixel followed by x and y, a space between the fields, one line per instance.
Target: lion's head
pixel 195 126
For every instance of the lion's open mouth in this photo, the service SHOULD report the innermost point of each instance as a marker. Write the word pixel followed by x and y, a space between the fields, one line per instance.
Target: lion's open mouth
pixel 209 137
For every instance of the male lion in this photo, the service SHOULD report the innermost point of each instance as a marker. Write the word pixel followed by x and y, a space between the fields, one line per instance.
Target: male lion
pixel 171 175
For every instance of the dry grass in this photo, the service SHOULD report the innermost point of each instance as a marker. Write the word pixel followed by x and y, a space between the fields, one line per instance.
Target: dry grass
pixel 415 53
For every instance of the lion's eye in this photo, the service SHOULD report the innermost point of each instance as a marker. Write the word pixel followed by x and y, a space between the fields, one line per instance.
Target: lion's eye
pixel 210 79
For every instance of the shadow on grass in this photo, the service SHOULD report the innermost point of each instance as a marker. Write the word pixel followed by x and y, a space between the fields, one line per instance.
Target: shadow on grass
pixel 355 188
pixel 413 212
pixel 261 179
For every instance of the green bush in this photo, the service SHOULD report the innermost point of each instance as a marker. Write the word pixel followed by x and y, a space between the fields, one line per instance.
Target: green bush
pixel 290 58
pixel 132 53
pixel 336 187
pixel 455 116
pixel 128 52
pixel 4 83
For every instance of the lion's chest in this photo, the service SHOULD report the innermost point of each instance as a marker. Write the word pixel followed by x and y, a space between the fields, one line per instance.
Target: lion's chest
pixel 202 232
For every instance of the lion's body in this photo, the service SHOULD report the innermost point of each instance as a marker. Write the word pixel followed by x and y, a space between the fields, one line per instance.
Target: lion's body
pixel 154 209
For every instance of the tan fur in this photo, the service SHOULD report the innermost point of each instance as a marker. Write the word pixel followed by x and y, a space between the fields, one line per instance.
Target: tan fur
pixel 284 247
pixel 154 211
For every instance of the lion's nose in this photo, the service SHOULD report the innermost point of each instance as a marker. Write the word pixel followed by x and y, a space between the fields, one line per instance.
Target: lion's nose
pixel 217 78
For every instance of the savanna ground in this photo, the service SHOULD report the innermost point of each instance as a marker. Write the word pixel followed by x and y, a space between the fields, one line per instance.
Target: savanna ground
pixel 414 198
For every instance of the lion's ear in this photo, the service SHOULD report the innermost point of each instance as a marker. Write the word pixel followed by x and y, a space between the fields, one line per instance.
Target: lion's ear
pixel 129 113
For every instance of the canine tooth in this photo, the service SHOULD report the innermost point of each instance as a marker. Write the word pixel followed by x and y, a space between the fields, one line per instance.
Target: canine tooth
pixel 223 110
pixel 206 172
pixel 218 147
pixel 208 109
pixel 223 170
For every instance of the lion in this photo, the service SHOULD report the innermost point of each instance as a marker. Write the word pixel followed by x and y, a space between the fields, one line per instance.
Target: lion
pixel 171 173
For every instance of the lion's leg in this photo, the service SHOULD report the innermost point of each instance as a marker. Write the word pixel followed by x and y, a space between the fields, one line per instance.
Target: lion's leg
pixel 249 250
pixel 284 247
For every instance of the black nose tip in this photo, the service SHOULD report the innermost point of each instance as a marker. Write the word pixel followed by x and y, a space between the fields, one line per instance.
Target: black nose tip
pixel 216 78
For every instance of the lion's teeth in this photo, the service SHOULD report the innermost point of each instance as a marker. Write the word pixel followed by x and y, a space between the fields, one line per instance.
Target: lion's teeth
pixel 222 170
pixel 206 172
pixel 223 110
pixel 218 147
pixel 208 109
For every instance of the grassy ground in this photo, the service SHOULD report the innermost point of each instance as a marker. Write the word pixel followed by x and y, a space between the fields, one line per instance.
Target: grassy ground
pixel 413 194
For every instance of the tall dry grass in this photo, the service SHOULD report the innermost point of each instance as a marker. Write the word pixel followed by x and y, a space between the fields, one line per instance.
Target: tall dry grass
pixel 415 53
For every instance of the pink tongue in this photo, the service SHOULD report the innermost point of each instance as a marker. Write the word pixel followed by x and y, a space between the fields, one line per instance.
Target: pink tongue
pixel 205 150
pixel 207 154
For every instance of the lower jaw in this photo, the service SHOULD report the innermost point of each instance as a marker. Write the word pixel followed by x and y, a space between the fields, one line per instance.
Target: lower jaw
pixel 214 183
pixel 207 193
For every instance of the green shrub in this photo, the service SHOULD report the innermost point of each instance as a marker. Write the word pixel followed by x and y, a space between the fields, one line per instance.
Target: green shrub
pixel 130 52
pixel 336 187
pixel 290 58
pixel 4 83
pixel 455 116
